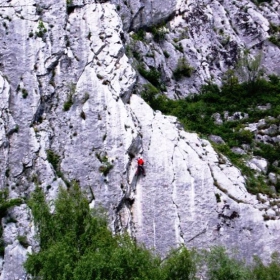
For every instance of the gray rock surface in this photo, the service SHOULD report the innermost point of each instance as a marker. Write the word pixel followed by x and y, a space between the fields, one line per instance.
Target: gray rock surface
pixel 210 35
pixel 216 139
pixel 66 86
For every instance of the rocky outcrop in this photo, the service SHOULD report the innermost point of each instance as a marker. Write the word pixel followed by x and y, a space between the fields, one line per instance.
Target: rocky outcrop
pixel 138 13
pixel 210 36
pixel 68 113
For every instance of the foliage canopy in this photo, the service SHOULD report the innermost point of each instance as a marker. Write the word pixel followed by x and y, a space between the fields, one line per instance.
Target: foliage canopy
pixel 75 243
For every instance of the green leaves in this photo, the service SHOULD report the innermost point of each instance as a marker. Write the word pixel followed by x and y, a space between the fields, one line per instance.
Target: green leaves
pixel 183 69
pixel 269 272
pixel 222 267
pixel 77 244
pixel 179 265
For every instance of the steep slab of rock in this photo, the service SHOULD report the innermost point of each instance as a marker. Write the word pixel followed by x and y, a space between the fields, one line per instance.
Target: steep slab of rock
pixel 192 195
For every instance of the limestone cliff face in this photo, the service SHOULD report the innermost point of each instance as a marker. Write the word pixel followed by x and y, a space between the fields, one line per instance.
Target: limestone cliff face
pixel 210 35
pixel 66 89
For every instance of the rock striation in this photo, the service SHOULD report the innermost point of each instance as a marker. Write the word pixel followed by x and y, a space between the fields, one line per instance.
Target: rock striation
pixel 68 112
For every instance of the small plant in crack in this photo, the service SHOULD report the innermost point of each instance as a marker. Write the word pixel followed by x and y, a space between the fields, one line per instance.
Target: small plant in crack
pixel 53 159
pixel 106 164
pixel 183 69
pixel 5 205
pixel 166 54
pixel 69 102
pixel 24 93
pixel 7 173
pixel 218 197
pixel 23 241
pixel 16 129
pixel 41 30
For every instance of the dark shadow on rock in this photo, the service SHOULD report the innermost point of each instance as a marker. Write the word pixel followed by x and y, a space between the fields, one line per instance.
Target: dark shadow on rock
pixel 135 146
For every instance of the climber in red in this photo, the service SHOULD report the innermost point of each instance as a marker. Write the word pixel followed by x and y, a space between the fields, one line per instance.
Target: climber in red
pixel 140 168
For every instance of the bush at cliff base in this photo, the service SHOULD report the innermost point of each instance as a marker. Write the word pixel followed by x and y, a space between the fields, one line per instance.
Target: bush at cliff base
pixel 76 244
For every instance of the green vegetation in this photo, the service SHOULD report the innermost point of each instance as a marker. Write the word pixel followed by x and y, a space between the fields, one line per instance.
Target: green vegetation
pixel 24 93
pixel 69 102
pixel 149 94
pixel 152 75
pixel 258 2
pixel 275 40
pixel 159 31
pixel 249 69
pixel 139 35
pixel 54 160
pixel 179 47
pixel 5 205
pixel 196 114
pixel 75 243
pixel 183 69
pixel 23 241
pixel 180 264
pixel 166 54
pixel 270 272
pixel 41 30
pixel 83 115
pixel 106 165
pixel 221 266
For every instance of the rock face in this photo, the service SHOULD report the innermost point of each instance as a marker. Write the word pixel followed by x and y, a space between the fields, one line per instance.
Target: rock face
pixel 66 93
pixel 210 36
pixel 136 14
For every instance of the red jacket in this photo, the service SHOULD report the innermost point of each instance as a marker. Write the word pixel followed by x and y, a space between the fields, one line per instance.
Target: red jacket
pixel 140 161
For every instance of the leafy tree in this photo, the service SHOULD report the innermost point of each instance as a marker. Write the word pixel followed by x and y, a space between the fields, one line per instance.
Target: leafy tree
pixel 75 243
pixel 249 69
pixel 269 272
pixel 179 265
pixel 222 267
pixel 230 81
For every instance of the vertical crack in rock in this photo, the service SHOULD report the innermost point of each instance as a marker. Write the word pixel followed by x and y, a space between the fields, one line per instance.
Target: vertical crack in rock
pixel 192 207
pixel 6 130
pixel 127 199
pixel 179 233
pixel 135 17
pixel 130 182
pixel 192 195
pixel 150 140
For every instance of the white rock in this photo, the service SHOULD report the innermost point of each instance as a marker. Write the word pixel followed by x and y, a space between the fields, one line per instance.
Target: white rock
pixel 259 164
